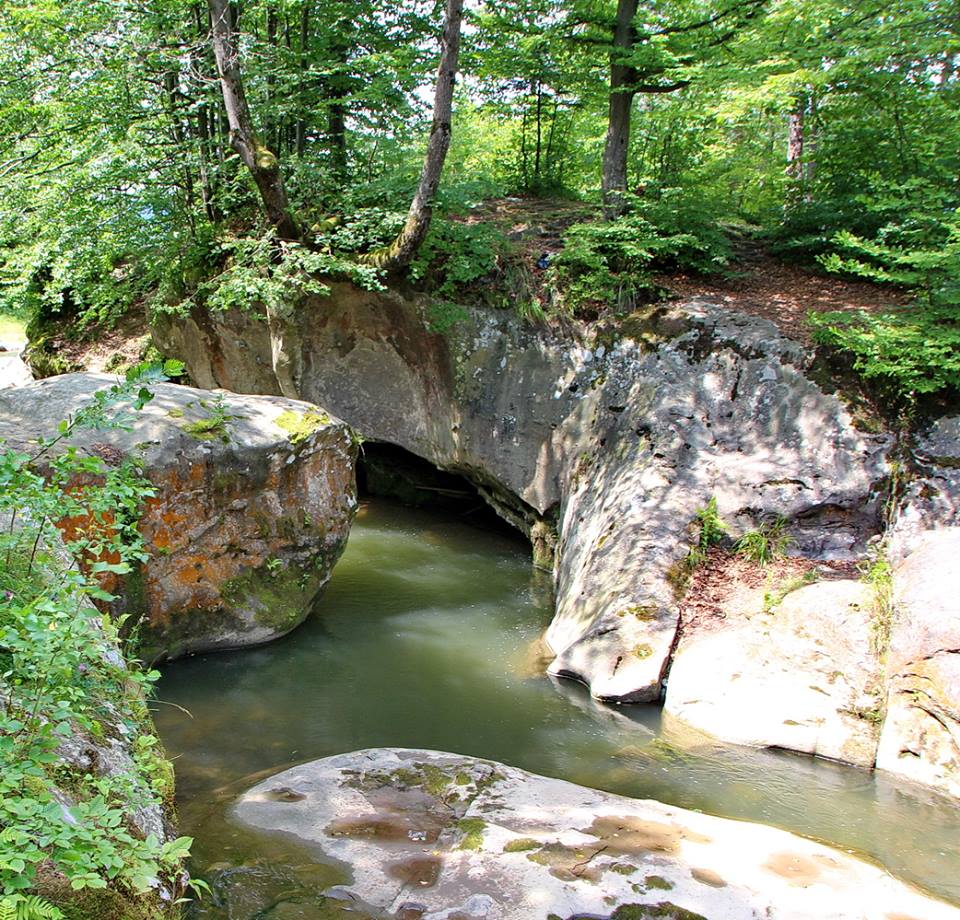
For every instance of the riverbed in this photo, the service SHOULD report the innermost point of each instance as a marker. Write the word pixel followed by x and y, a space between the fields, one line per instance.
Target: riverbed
pixel 427 637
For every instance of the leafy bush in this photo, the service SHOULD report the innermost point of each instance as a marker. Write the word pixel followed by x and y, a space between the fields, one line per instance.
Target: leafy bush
pixel 455 254
pixel 611 264
pixel 912 349
pixel 263 272
pixel 58 675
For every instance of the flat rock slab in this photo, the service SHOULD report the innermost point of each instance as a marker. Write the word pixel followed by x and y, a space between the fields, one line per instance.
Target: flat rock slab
pixel 803 676
pixel 254 500
pixel 441 836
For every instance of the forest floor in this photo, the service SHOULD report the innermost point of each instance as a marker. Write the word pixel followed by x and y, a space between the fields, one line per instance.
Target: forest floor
pixel 782 292
pixel 729 586
pixel 756 282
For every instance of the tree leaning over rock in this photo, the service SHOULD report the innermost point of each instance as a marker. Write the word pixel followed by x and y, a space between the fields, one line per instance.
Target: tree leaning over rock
pixel 401 251
pixel 257 157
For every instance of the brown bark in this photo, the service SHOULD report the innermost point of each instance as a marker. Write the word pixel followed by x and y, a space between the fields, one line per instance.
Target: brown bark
pixel 402 250
pixel 623 81
pixel 260 160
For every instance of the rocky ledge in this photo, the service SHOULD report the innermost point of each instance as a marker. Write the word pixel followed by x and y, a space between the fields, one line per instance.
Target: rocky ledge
pixel 254 501
pixel 441 836
pixel 602 441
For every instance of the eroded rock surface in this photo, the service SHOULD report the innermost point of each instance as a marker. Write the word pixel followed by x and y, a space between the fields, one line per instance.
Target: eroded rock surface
pixel 803 675
pixel 612 435
pixel 439 836
pixel 255 498
pixel 921 734
pixel 930 486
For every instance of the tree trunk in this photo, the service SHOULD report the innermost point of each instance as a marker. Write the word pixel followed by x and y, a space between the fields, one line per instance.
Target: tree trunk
pixel 623 79
pixel 301 129
pixel 402 250
pixel 262 163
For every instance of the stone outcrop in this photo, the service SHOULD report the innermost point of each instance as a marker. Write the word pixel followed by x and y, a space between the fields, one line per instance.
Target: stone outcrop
pixel 803 675
pixel 603 440
pixel 921 735
pixel 929 486
pixel 439 836
pixel 253 505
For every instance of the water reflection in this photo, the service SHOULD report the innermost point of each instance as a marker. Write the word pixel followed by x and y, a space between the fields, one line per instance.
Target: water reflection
pixel 427 638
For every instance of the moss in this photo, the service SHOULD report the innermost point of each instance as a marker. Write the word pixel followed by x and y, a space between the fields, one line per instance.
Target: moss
pixel 300 425
pixel 473 829
pixel 463 779
pixel 624 868
pixel 665 910
pixel 108 904
pixel 521 845
pixel 207 429
pixel 658 882
pixel 435 781
pixel 643 651
pixel 644 612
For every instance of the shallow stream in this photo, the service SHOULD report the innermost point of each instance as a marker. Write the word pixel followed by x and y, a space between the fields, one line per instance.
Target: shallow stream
pixel 426 638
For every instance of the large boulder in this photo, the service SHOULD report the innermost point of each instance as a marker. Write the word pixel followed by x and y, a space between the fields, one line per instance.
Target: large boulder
pixel 613 435
pixel 254 501
pixel 921 735
pixel 440 836
pixel 803 675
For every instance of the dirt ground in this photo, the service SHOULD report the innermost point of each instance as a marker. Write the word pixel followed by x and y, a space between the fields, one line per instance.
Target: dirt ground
pixel 727 586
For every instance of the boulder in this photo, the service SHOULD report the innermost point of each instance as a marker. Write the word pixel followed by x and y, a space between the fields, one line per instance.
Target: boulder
pixel 613 434
pixel 803 676
pixel 254 501
pixel 921 735
pixel 439 836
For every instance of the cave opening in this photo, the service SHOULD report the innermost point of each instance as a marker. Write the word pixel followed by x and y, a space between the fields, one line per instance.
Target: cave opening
pixel 389 471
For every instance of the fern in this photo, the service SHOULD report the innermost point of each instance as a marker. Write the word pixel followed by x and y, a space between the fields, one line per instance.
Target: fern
pixel 28 907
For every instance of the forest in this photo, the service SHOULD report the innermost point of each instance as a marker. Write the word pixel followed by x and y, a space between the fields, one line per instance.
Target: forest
pixel 568 384
pixel 667 137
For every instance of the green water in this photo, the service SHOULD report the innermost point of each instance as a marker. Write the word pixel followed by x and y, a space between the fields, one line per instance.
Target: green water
pixel 425 638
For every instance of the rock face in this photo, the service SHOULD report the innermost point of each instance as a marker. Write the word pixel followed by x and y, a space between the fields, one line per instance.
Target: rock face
pixel 612 437
pixel 253 506
pixel 803 676
pixel 931 490
pixel 440 836
pixel 921 735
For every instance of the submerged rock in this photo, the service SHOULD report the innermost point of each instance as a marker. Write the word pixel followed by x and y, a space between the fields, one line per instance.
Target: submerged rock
pixel 921 734
pixel 253 506
pixel 439 836
pixel 613 435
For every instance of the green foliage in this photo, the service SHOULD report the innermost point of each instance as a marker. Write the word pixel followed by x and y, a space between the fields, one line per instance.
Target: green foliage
pixel 28 907
pixel 765 544
pixel 213 425
pixel 455 255
pixel 59 674
pixel 915 348
pixel 263 273
pixel 612 264
pixel 878 574
pixel 712 529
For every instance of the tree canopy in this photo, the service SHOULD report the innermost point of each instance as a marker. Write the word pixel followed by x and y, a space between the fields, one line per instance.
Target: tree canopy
pixel 827 128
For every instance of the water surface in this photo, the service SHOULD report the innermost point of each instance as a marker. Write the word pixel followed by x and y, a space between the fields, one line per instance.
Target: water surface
pixel 426 638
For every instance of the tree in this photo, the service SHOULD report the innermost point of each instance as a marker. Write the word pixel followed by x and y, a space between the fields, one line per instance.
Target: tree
pixel 259 159
pixel 402 250
pixel 623 82
pixel 652 60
